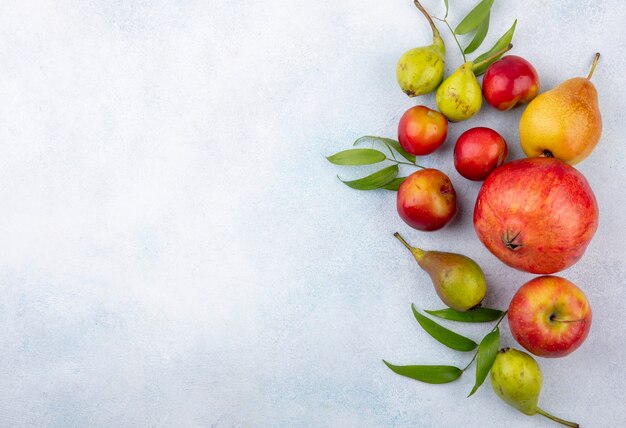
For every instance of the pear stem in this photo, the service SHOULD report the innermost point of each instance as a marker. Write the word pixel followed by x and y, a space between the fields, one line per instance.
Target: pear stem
pixel 593 66
pixel 436 34
pixel 445 21
pixel 492 57
pixel 417 253
pixel 555 419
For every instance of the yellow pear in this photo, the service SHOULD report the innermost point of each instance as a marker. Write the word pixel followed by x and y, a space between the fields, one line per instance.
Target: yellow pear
pixel 564 122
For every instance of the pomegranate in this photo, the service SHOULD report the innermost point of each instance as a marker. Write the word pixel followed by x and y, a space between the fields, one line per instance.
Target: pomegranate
pixel 536 215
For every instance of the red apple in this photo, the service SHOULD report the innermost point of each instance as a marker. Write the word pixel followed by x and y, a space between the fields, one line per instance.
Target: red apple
pixel 421 130
pixel 536 215
pixel 478 151
pixel 549 316
pixel 510 81
pixel 426 200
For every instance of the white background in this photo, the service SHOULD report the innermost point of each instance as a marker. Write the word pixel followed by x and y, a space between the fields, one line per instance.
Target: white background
pixel 176 251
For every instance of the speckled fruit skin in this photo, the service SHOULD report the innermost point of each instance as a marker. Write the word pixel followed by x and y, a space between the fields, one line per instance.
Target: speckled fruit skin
pixel 536 215
pixel 565 121
pixel 509 82
pixel 421 130
pixel 426 200
pixel 479 151
pixel 549 316
pixel 516 378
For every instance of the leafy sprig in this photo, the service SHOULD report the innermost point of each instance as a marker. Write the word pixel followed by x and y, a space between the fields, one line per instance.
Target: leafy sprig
pixel 484 356
pixel 386 178
pixel 477 22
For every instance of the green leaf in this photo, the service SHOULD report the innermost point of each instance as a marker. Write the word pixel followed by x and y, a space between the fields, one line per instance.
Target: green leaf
pixel 446 3
pixel 357 157
pixel 375 180
pixel 428 374
pixel 487 351
pixel 473 19
pixel 480 35
pixel 394 184
pixel 389 143
pixel 443 335
pixel 502 43
pixel 473 315
pixel 398 148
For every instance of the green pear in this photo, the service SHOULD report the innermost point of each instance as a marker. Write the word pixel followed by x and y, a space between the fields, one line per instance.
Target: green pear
pixel 420 70
pixel 460 97
pixel 458 280
pixel 516 378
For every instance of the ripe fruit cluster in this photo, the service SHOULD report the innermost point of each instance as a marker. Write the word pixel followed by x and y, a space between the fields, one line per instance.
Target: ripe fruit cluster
pixel 536 214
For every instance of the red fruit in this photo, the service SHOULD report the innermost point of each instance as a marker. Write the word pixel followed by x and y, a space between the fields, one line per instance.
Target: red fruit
pixel 478 151
pixel 550 316
pixel 536 215
pixel 426 200
pixel 510 81
pixel 422 130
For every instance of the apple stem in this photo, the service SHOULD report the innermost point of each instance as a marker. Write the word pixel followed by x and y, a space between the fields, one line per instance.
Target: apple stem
pixel 492 57
pixel 417 253
pixel 555 419
pixel 562 320
pixel 593 66
pixel 436 34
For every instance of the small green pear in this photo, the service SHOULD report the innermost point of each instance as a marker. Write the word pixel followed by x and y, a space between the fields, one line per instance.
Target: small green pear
pixel 460 97
pixel 420 70
pixel 516 378
pixel 458 280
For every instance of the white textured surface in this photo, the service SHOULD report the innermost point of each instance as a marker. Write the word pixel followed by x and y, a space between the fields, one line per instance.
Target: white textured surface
pixel 176 251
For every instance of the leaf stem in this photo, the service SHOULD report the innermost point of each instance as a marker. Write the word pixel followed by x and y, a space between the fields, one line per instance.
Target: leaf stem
pixel 555 419
pixel 471 361
pixel 500 320
pixel 445 21
pixel 406 163
pixel 492 330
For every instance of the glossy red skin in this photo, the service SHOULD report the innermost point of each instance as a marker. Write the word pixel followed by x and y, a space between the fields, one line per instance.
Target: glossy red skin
pixel 478 151
pixel 426 200
pixel 535 310
pixel 510 81
pixel 422 131
pixel 536 215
